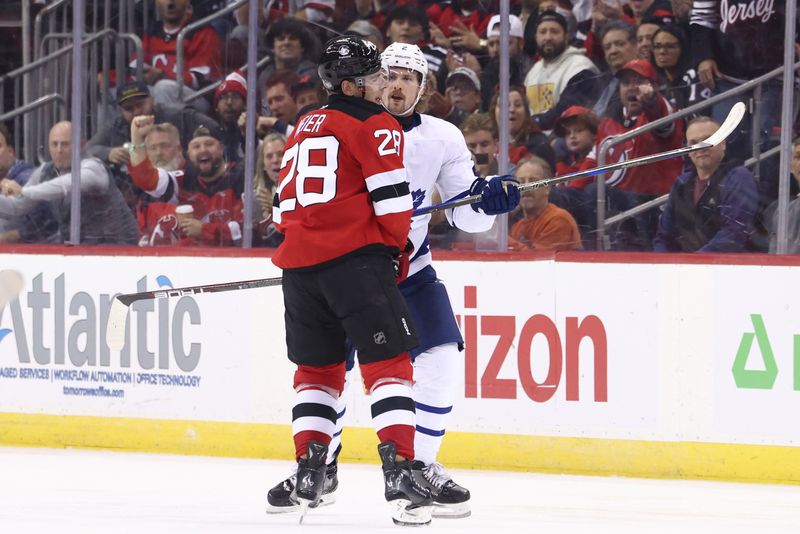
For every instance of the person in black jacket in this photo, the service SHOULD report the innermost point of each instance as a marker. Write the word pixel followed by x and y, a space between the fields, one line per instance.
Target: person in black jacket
pixel 712 207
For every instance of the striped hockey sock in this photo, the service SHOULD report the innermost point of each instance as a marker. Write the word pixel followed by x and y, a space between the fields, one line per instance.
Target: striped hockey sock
pixel 313 418
pixel 389 383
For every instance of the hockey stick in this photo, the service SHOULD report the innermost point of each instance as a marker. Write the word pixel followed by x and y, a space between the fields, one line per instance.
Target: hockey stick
pixel 118 315
pixel 728 126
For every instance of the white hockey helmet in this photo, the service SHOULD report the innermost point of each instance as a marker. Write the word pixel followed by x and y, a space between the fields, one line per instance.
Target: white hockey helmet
pixel 407 56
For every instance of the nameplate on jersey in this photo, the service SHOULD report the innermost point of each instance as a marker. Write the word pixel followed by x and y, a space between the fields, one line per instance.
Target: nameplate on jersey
pixel 311 123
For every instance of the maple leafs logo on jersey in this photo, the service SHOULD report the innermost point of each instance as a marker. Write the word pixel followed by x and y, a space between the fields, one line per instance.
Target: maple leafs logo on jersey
pixel 417 197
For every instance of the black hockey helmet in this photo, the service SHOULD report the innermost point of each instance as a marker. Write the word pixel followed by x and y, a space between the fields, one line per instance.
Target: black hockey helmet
pixel 348 57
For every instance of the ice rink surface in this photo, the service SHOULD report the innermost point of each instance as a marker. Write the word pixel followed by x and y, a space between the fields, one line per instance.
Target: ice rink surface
pixel 73 491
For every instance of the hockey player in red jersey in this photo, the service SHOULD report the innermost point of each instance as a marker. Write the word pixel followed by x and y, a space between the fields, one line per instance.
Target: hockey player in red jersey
pixel 344 207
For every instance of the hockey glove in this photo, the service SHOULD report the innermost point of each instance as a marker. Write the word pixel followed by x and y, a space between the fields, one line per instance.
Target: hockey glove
pixel 499 194
pixel 402 261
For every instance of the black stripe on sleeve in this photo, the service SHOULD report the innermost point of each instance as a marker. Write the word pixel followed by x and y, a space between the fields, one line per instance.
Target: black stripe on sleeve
pixel 390 191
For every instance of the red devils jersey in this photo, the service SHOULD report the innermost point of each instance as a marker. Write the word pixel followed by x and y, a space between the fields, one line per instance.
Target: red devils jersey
pixel 445 18
pixel 342 184
pixel 653 178
pixel 577 165
pixel 202 54
pixel 218 205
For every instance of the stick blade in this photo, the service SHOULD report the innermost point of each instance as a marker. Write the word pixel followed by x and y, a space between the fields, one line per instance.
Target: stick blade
pixel 116 327
pixel 729 125
pixel 11 285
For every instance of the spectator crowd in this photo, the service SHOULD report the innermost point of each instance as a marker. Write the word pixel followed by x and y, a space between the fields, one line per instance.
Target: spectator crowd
pixel 169 169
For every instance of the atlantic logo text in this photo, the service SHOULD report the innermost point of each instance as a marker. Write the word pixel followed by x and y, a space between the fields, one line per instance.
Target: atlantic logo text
pixel 53 330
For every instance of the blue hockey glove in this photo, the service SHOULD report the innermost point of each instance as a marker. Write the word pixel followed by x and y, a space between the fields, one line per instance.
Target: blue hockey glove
pixel 499 194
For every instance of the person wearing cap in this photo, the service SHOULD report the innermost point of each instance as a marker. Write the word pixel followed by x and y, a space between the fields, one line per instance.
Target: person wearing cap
pixel 579 31
pixel 564 76
pixel 576 129
pixel 640 103
pixel 462 97
pixel 518 63
pixel 111 143
pixel 368 31
pixel 308 94
pixel 133 99
pixel 230 98
pixel 210 185
pixel 41 208
pixel 463 88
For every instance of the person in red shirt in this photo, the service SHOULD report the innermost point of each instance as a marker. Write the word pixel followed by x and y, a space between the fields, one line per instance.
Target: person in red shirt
pixel 463 21
pixel 202 55
pixel 577 127
pixel 639 104
pixel 344 207
pixel 212 187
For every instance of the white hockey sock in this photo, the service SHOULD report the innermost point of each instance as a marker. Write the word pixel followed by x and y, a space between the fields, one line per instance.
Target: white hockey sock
pixel 437 373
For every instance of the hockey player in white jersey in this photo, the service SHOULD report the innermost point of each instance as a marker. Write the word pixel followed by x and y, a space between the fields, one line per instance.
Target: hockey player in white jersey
pixel 435 156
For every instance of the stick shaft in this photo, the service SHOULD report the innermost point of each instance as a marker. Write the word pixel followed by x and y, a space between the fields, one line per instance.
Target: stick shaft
pixel 130 298
pixel 728 126
pixel 644 160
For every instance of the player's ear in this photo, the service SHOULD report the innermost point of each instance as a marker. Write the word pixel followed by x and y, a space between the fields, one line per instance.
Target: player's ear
pixel 349 88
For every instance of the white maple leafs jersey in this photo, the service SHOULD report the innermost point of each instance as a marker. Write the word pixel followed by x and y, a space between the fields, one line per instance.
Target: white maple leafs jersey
pixel 436 155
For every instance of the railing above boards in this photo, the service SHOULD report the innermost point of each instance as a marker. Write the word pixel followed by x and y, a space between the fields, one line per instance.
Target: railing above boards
pixel 179 48
pixel 615 140
pixel 31 106
pixel 104 34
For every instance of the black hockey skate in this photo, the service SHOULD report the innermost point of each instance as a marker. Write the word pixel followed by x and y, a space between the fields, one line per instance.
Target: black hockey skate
pixel 281 499
pixel 449 499
pixel 310 477
pixel 410 503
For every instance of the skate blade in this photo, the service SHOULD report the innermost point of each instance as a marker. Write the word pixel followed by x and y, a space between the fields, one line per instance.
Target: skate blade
pixel 405 517
pixel 451 511
pixel 325 500
pixel 303 509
